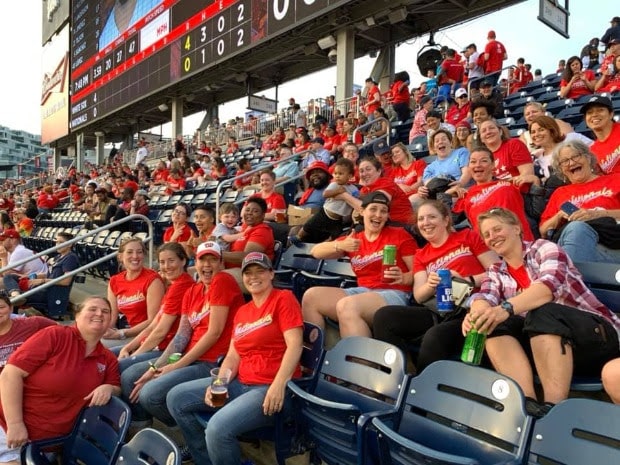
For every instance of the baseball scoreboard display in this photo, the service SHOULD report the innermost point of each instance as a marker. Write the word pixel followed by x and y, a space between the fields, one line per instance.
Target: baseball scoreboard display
pixel 125 50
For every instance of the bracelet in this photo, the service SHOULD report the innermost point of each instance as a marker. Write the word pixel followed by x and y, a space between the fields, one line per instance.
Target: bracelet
pixel 336 247
pixel 121 334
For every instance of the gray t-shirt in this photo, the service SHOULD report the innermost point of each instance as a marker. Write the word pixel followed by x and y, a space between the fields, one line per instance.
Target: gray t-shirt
pixel 340 207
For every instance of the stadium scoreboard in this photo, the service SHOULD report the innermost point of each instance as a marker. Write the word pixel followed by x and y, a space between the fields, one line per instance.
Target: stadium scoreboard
pixel 173 40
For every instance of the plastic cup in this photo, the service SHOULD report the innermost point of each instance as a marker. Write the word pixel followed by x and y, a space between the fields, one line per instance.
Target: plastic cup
pixel 219 386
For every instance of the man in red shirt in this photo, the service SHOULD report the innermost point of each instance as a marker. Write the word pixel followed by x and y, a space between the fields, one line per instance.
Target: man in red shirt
pixel 494 56
pixel 450 74
pixel 373 98
pixel 598 112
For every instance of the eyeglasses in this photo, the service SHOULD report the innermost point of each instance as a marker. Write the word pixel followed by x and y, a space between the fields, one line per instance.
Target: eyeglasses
pixel 462 96
pixel 568 160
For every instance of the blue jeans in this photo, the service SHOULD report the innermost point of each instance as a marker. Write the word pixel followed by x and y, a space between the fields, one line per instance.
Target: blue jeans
pixel 218 444
pixel 152 401
pixel 580 241
pixel 133 359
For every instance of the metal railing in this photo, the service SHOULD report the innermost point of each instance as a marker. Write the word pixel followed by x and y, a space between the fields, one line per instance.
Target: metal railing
pixel 94 232
pixel 388 134
pixel 482 78
pixel 261 166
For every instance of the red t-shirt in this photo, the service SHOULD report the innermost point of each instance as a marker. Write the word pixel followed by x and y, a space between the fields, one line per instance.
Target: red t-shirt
pixel 59 377
pixel 222 292
pixel 457 114
pixel 399 96
pixel 184 237
pixel 21 329
pixel 261 234
pixel 274 201
pixel 367 262
pixel 242 182
pixel 133 185
pixel 453 70
pixel 520 276
pixel 608 151
pixel 174 185
pixel 508 157
pixel 482 197
pixel 258 336
pixel 400 207
pixel 459 253
pixel 131 295
pixel 160 175
pixel 47 201
pixel 408 176
pixel 372 92
pixel 496 51
pixel 602 192
pixel 170 305
pixel 579 88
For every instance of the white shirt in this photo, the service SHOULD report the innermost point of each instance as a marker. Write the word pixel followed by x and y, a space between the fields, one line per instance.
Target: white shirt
pixel 20 253
pixel 141 154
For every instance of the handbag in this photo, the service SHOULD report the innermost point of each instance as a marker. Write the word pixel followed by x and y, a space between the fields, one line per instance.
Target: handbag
pixel 461 290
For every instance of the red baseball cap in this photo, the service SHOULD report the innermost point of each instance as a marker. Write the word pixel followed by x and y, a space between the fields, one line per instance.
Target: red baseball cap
pixel 317 165
pixel 9 234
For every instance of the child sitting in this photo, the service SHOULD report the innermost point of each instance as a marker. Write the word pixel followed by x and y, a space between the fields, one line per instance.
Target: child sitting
pixel 225 232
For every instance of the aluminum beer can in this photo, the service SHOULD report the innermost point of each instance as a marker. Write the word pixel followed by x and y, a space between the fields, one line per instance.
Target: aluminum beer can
pixel 473 347
pixel 173 358
pixel 389 255
pixel 610 68
pixel 445 301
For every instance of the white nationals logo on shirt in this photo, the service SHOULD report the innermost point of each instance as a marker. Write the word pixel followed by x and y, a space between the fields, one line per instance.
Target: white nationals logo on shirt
pixel 608 163
pixel 101 368
pixel 581 199
pixel 196 316
pixel 487 192
pixel 125 300
pixel 443 262
pixel 361 261
pixel 244 329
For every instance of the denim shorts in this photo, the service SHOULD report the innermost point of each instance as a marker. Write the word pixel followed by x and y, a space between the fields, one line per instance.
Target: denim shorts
pixel 391 296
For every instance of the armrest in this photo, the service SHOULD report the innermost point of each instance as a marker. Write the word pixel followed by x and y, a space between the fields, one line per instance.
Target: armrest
pixel 298 391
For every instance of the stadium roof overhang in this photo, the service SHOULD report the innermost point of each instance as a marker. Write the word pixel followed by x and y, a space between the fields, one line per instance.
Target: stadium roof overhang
pixel 296 54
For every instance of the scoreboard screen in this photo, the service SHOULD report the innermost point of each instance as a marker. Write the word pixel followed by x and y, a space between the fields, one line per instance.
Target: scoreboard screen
pixel 125 50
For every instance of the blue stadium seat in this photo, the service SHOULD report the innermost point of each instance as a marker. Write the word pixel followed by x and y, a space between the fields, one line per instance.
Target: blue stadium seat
pixel 455 413
pixel 96 439
pixel 295 259
pixel 333 273
pixel 576 432
pixel 556 106
pixel 358 378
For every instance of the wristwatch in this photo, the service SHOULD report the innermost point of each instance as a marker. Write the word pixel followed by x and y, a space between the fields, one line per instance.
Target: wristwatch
pixel 508 307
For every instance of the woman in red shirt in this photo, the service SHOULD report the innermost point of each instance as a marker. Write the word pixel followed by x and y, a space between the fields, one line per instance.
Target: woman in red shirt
pixel 263 356
pixel 400 96
pixel 275 202
pixel 575 80
pixel 465 255
pixel 180 231
pixel 158 334
pixel 355 307
pixel 407 171
pixel 47 201
pixel 136 292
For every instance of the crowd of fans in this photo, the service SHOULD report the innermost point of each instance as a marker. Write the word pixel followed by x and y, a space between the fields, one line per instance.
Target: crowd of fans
pixel 508 215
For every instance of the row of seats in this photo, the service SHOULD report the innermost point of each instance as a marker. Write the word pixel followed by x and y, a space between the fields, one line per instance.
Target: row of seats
pixel 364 410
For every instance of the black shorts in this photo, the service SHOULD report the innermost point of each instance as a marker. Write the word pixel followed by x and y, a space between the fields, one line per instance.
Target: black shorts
pixel 320 227
pixel 594 341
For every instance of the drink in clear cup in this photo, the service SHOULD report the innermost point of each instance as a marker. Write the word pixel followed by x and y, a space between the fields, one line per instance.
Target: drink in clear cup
pixel 389 260
pixel 219 386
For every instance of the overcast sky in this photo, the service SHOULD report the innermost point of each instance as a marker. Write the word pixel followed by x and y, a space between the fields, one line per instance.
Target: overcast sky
pixel 516 27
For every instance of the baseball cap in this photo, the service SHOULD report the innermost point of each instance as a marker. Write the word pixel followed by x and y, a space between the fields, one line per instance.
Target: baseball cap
pixel 491 35
pixel 613 41
pixel 208 248
pixel 9 234
pixel 615 19
pixel 375 197
pixel 380 147
pixel 597 100
pixel 460 92
pixel 317 165
pixel 256 258
pixel 486 83
pixel 318 140
pixel 463 124
pixel 143 193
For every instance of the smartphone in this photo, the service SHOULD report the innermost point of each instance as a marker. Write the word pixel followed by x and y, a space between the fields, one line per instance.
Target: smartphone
pixel 569 208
